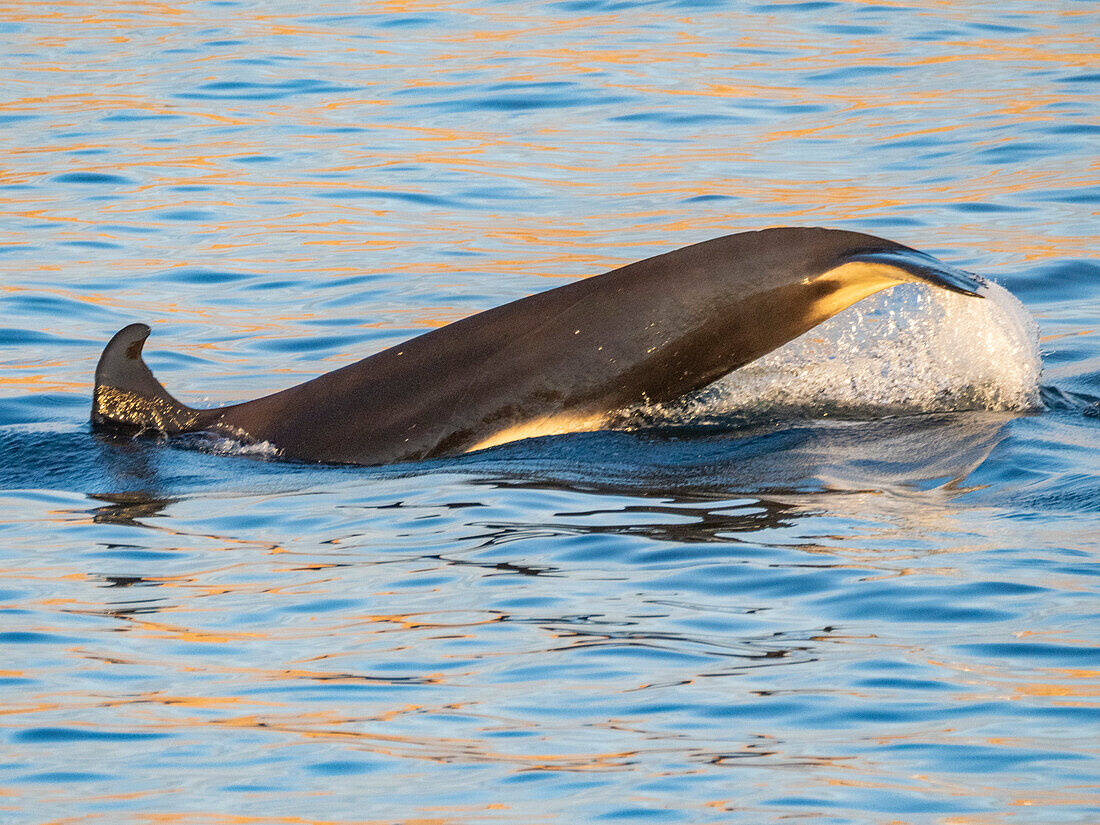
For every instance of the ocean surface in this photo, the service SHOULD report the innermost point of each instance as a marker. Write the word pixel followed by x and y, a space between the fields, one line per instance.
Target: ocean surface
pixel 857 582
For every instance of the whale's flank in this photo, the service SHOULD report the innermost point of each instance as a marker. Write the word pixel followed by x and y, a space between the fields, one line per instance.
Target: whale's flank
pixel 557 361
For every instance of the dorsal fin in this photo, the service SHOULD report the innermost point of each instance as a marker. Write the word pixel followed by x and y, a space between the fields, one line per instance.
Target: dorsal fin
pixel 128 397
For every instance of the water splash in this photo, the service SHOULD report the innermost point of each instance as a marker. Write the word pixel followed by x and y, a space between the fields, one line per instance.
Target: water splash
pixel 909 349
pixel 218 445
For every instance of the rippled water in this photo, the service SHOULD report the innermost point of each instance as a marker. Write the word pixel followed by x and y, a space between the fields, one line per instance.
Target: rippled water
pixel 818 616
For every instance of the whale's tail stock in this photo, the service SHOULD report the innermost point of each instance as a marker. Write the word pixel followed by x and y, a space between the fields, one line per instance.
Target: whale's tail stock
pixel 129 399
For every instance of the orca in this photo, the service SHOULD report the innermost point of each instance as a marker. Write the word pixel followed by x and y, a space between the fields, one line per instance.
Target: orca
pixel 565 360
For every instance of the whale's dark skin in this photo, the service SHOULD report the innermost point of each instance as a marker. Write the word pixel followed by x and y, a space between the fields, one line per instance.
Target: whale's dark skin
pixel 563 360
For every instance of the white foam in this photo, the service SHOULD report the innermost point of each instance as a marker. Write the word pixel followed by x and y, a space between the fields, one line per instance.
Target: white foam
pixel 909 349
pixel 231 446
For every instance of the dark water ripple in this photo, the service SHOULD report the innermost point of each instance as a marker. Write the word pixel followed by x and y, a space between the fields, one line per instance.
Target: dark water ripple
pixel 887 620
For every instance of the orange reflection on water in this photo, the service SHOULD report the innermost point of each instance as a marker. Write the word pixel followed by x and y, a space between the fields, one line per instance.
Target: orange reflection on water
pixel 271 819
pixel 1002 682
pixel 324 725
pixel 40 382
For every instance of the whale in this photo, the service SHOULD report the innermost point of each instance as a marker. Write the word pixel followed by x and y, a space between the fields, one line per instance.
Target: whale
pixel 568 359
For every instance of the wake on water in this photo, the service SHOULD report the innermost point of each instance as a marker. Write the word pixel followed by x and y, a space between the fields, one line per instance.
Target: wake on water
pixel 909 350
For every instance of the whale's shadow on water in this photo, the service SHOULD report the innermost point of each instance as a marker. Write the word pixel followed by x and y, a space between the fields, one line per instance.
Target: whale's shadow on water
pixel 911 452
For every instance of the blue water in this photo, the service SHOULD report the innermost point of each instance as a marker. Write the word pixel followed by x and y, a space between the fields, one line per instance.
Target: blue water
pixel 873 618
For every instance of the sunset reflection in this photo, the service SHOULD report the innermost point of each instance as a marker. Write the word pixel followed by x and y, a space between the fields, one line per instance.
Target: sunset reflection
pixel 820 617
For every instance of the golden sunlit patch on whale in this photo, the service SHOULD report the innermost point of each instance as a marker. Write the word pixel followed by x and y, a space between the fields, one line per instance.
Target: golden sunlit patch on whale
pixel 853 281
pixel 559 424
